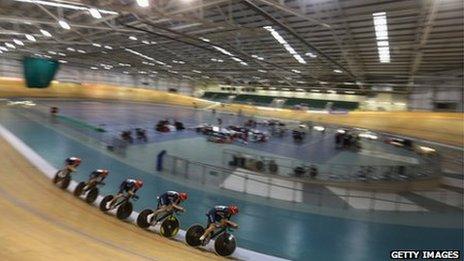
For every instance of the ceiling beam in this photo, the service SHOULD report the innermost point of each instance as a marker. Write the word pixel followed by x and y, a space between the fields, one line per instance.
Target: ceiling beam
pixel 296 35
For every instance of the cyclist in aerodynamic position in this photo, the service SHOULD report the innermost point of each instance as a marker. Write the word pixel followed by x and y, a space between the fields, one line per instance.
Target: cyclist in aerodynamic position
pixel 128 188
pixel 169 201
pixel 96 177
pixel 219 216
pixel 71 164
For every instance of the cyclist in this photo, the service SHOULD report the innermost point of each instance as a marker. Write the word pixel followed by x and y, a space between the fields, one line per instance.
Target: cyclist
pixel 219 216
pixel 128 188
pixel 169 201
pixel 72 163
pixel 96 177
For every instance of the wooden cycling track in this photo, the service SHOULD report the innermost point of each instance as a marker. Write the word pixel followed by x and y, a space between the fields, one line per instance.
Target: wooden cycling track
pixel 42 222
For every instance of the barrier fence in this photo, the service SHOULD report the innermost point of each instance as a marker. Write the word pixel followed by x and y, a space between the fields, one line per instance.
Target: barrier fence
pixel 291 190
pixel 289 167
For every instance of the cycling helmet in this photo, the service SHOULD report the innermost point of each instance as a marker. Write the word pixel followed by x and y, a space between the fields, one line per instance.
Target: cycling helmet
pixel 103 172
pixel 233 209
pixel 138 183
pixel 73 160
pixel 183 196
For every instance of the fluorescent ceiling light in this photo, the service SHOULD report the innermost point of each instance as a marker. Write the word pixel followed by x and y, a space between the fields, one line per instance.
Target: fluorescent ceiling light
pixel 286 45
pixel 143 3
pixel 96 44
pixel 222 50
pixel 183 26
pixel 381 34
pixel 204 39
pixel 71 49
pixel 63 5
pixel 349 92
pixel 64 24
pixel 62 61
pixel 18 42
pixel 257 57
pixel 80 51
pixel 94 12
pixel 323 82
pixel 52 52
pixel 45 33
pixel 310 54
pixel 296 71
pixel 125 72
pixel 382 43
pixel 145 42
pixel 146 57
pixel 61 54
pixel 108 47
pixel 94 68
pixel 133 38
pixel 262 71
pixel 3 48
pixel 196 71
pixel 30 37
pixel 337 71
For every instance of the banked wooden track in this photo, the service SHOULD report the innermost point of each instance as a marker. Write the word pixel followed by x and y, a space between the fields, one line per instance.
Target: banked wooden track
pixel 440 127
pixel 41 222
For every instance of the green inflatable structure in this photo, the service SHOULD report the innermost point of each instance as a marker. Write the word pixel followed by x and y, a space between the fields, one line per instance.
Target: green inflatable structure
pixel 39 72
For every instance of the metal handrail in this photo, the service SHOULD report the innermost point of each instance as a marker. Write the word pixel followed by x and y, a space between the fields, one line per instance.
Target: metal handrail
pixel 228 172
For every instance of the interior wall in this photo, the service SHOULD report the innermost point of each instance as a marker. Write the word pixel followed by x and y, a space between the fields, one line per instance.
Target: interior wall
pixel 427 98
pixel 71 74
pixel 379 102
pixel 441 88
pixel 441 127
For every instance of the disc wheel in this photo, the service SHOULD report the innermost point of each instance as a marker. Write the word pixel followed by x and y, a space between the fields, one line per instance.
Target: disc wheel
pixel 142 219
pixel 64 182
pixel 170 227
pixel 193 235
pixel 79 189
pixel 56 178
pixel 92 195
pixel 124 210
pixel 104 202
pixel 225 244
